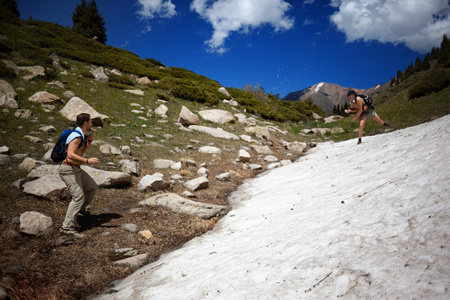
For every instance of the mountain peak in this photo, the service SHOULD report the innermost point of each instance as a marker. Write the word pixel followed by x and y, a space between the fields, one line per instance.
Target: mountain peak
pixel 327 95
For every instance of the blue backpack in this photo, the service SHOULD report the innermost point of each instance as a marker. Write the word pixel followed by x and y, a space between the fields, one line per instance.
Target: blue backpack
pixel 59 152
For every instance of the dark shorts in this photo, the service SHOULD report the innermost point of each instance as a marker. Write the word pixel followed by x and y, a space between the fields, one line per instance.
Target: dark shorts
pixel 369 113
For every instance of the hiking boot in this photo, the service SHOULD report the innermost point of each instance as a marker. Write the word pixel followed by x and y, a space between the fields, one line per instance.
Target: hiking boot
pixel 387 124
pixel 68 231
pixel 359 142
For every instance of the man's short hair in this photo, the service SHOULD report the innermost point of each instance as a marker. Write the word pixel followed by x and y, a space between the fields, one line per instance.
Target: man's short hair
pixel 351 93
pixel 83 117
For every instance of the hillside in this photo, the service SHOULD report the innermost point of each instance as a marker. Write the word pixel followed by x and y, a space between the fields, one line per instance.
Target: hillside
pixel 128 93
pixel 328 95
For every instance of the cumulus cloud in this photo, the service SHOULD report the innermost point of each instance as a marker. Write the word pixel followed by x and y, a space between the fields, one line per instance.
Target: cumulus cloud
pixel 227 16
pixel 149 9
pixel 419 24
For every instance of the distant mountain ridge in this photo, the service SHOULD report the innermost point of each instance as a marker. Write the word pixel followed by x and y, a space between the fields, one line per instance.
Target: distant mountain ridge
pixel 327 95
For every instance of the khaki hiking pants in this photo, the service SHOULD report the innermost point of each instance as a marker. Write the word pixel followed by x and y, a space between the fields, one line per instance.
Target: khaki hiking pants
pixel 82 188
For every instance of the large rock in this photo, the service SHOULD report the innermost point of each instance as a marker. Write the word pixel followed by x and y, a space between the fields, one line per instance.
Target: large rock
pixel 183 205
pixel 261 149
pixel 76 106
pixel 217 116
pixel 7 89
pixel 8 95
pixel 197 183
pixel 321 131
pixel 36 71
pixel 162 111
pixel 108 149
pixel 35 223
pixel 143 80
pixel 133 262
pixel 244 156
pixel 49 186
pixel 99 74
pixel 105 179
pixel 216 132
pixel 153 182
pixel 210 150
pixel 224 91
pixel 130 166
pixel 44 98
pixel 263 133
pixel 187 117
pixel 108 179
pixel 295 146
pixel 331 119
pixel 162 163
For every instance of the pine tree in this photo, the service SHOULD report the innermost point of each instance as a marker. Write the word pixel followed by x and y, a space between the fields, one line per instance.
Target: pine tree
pixel 434 53
pixel 444 53
pixel 88 22
pixel 10 5
pixel 426 62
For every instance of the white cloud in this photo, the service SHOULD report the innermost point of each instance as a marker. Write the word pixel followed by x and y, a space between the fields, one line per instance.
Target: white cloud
pixel 151 8
pixel 227 16
pixel 419 24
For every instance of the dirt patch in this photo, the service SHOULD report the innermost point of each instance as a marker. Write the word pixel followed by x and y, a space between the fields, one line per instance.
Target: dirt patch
pixel 58 267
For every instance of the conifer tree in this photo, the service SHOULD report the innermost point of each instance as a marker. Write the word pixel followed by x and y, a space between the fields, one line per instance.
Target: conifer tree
pixel 444 53
pixel 10 5
pixel 88 22
pixel 426 62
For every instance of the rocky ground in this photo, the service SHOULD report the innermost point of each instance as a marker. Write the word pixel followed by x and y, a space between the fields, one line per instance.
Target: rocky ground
pixel 52 266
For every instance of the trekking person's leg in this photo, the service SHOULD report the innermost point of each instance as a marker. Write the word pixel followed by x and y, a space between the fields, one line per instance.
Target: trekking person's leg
pixel 72 179
pixel 89 188
pixel 362 122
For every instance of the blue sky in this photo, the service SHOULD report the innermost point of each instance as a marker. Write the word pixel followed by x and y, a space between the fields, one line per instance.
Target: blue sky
pixel 280 45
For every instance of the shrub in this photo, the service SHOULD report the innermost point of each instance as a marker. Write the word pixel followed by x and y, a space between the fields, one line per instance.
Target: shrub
pixel 6 72
pixel 118 85
pixel 87 74
pixel 124 80
pixel 434 82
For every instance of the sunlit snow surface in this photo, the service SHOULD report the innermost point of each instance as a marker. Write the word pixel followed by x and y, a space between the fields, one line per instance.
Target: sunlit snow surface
pixel 358 222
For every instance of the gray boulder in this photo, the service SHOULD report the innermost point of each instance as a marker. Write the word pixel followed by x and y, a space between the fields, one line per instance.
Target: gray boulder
pixel 35 223
pixel 197 184
pixel 130 166
pixel 44 98
pixel 163 163
pixel 76 106
pixel 262 149
pixel 186 117
pixel 36 71
pixel 99 74
pixel 210 150
pixel 133 262
pixel 153 182
pixel 216 132
pixel 217 116
pixel 183 205
pixel 244 156
pixel 49 187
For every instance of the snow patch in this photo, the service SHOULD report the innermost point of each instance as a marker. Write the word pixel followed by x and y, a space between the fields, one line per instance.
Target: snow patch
pixel 318 87
pixel 366 222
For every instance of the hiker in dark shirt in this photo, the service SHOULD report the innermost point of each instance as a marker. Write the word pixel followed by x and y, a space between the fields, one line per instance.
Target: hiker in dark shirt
pixel 363 111
pixel 81 186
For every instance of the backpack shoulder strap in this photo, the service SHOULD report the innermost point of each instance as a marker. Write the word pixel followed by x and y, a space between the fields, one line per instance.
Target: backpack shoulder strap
pixel 83 141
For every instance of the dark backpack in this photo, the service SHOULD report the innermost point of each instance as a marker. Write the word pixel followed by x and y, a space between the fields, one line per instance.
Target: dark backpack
pixel 367 100
pixel 59 152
